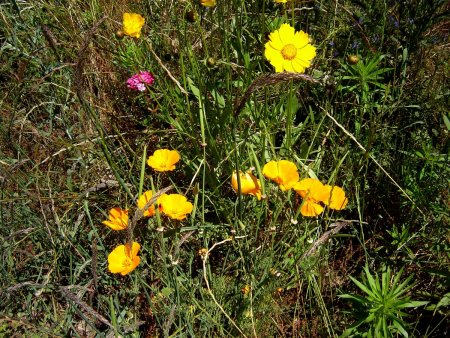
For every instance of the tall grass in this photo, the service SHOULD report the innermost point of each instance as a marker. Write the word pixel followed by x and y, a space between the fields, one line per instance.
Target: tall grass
pixel 74 142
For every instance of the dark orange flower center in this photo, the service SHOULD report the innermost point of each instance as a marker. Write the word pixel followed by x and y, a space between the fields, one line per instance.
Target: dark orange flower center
pixel 126 262
pixel 289 52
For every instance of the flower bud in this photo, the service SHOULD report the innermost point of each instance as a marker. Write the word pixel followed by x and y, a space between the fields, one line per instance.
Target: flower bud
pixel 353 59
pixel 211 62
pixel 120 35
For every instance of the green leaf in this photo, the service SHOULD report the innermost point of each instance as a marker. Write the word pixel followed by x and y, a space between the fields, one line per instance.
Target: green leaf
pixel 446 121
pixel 166 292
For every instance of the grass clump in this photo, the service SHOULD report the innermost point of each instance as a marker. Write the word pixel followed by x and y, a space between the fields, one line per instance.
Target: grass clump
pixel 192 170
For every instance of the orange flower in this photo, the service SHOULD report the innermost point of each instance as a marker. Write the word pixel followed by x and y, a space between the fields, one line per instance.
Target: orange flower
pixel 117 219
pixel 282 172
pixel 249 184
pixel 123 260
pixel 164 160
pixel 336 197
pixel 312 191
pixel 132 24
pixel 143 200
pixel 175 206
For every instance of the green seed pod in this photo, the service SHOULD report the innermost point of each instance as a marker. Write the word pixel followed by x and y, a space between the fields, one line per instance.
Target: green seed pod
pixel 211 62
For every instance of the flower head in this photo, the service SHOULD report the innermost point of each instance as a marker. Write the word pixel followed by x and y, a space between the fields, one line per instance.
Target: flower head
pixel 163 159
pixel 282 172
pixel 249 184
pixel 123 260
pixel 132 24
pixel 281 1
pixel 117 219
pixel 143 200
pixel 175 206
pixel 208 3
pixel 312 191
pixel 335 197
pixel 288 50
pixel 139 80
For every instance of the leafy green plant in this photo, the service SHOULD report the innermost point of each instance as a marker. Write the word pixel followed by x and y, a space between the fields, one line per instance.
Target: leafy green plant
pixel 380 310
pixel 364 75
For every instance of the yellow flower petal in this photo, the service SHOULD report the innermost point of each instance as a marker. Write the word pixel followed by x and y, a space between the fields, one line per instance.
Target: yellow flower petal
pixel 288 50
pixel 208 3
pixel 282 172
pixel 310 209
pixel 275 41
pixel 132 24
pixel 117 219
pixel 164 160
pixel 336 197
pixel 143 200
pixel 297 67
pixel 123 260
pixel 311 189
pixel 287 33
pixel 301 39
pixel 175 206
pixel 287 65
pixel 306 54
pixel 249 184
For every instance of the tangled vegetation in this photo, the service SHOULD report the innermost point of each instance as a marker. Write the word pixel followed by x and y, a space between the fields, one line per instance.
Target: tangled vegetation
pixel 259 168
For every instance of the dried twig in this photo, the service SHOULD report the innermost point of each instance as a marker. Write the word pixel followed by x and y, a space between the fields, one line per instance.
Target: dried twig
pixel 167 71
pixel 139 213
pixel 205 277
pixel 65 292
pixel 338 226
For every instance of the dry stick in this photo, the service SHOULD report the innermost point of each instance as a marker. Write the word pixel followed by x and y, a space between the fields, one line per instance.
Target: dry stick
pixel 65 291
pixel 73 146
pixel 167 71
pixel 94 262
pixel 205 277
pixel 338 226
pixel 374 160
pixel 269 79
pixel 139 213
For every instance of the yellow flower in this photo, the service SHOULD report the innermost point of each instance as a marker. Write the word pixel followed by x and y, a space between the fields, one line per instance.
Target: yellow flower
pixel 246 289
pixel 282 172
pixel 208 3
pixel 164 160
pixel 143 200
pixel 336 197
pixel 132 24
pixel 288 50
pixel 117 219
pixel 249 184
pixel 281 1
pixel 123 260
pixel 312 191
pixel 175 206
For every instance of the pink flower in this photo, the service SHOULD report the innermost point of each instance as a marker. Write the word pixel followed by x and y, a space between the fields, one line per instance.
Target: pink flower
pixel 138 81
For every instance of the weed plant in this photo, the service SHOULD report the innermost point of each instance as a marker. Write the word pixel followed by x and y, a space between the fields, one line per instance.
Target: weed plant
pixel 369 115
